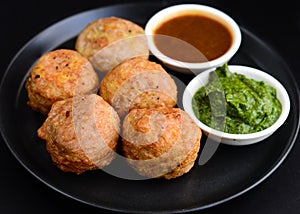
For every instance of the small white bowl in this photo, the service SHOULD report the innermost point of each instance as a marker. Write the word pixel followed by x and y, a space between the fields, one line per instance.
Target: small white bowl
pixel 177 10
pixel 238 139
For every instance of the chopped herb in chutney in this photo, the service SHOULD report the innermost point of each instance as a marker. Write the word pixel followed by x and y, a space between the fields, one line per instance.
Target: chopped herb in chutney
pixel 232 103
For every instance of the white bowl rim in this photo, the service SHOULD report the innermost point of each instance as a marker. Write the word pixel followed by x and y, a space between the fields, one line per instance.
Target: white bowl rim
pixel 157 17
pixel 246 70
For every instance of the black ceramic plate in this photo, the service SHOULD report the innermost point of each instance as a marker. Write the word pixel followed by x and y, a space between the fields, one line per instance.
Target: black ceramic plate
pixel 231 172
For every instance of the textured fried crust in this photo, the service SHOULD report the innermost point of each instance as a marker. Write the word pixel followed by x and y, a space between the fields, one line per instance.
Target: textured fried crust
pixel 138 83
pixel 58 75
pixel 81 133
pixel 109 40
pixel 160 142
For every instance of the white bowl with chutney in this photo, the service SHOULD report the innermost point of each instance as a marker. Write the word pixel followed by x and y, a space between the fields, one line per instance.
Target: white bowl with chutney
pixel 238 139
pixel 191 38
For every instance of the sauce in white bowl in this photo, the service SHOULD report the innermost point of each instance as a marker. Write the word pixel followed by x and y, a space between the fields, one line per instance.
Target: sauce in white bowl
pixel 191 38
pixel 230 138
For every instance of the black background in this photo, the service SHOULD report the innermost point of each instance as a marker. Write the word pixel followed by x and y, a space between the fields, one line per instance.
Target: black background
pixel 276 23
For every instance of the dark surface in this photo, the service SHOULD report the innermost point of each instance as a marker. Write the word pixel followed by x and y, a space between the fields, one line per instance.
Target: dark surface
pixel 20 191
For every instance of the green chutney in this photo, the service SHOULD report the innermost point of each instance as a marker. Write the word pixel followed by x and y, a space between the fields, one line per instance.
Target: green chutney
pixel 232 103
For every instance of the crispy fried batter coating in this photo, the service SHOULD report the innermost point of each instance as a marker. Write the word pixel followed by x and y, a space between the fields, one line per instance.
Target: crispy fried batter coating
pixel 138 83
pixel 108 41
pixel 160 142
pixel 81 133
pixel 58 75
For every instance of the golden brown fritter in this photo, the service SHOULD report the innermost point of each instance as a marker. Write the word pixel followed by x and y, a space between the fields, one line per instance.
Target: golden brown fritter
pixel 160 142
pixel 81 133
pixel 138 83
pixel 58 75
pixel 108 41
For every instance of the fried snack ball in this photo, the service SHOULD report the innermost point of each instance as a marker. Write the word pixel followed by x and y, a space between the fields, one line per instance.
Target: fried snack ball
pixel 58 75
pixel 160 142
pixel 81 133
pixel 108 41
pixel 138 83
